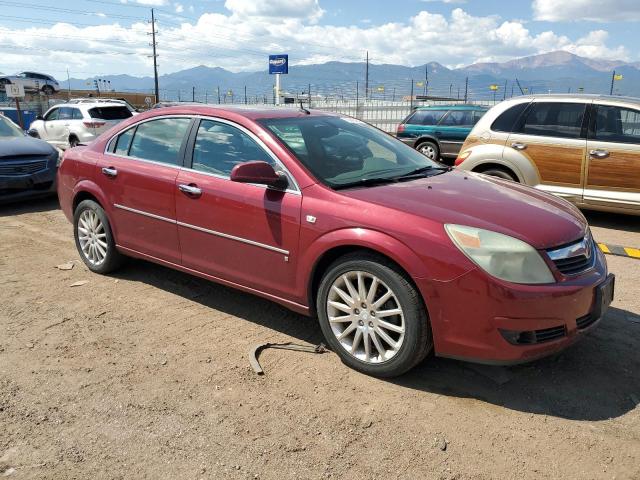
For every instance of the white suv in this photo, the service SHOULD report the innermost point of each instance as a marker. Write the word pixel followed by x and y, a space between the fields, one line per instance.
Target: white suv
pixel 32 81
pixel 68 124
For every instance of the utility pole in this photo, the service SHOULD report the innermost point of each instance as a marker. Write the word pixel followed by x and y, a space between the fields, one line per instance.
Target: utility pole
pixel 504 93
pixel 520 87
pixel 466 89
pixel 68 86
pixel 613 78
pixel 309 93
pixel 218 94
pixel 193 94
pixel 366 78
pixel 245 94
pixel 426 78
pixel 155 55
pixel 411 97
pixel 450 89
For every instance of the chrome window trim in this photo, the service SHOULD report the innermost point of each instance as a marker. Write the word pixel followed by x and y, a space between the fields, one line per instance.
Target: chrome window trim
pixel 254 137
pixel 202 229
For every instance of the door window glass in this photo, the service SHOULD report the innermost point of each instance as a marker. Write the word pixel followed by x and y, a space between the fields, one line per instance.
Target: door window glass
pixel 219 147
pixel 426 117
pixel 458 118
pixel 159 140
pixel 65 113
pixel 76 114
pixel 555 119
pixel 616 124
pixel 52 115
pixel 509 119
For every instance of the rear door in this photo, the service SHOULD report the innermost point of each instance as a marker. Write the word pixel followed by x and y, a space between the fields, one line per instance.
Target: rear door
pixel 613 170
pixel 138 175
pixel 553 138
pixel 453 130
pixel 243 233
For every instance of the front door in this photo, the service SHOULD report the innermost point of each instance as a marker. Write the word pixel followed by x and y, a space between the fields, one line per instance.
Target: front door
pixel 138 175
pixel 243 233
pixel 53 127
pixel 552 137
pixel 613 172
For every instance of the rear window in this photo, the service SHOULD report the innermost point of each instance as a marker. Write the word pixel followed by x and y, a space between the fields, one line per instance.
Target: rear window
pixel 110 113
pixel 425 117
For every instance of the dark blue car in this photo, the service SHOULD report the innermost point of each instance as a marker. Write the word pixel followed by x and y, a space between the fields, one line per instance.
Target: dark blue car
pixel 28 166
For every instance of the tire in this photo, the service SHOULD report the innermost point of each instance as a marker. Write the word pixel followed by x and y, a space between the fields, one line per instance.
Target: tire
pixel 48 90
pixel 409 331
pixel 73 141
pixel 99 253
pixel 429 150
pixel 500 173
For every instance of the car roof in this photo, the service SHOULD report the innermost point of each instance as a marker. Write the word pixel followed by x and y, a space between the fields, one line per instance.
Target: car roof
pixel 453 107
pixel 252 112
pixel 90 104
pixel 577 96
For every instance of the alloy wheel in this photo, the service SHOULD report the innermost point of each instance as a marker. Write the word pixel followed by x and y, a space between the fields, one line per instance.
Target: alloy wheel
pixel 428 151
pixel 92 237
pixel 365 317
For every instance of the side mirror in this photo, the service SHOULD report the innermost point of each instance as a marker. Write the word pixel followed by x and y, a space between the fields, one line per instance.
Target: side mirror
pixel 33 133
pixel 258 172
pixel 39 117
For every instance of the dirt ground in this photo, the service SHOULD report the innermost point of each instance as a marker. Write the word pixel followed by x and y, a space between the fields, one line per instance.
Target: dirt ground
pixel 145 374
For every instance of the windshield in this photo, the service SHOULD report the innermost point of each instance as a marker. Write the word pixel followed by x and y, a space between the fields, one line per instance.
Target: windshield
pixel 8 129
pixel 342 151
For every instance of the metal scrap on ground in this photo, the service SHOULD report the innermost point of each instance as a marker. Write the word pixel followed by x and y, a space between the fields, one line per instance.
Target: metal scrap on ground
pixel 255 352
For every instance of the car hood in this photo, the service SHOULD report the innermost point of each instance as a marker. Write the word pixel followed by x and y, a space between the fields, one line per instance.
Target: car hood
pixel 22 146
pixel 465 198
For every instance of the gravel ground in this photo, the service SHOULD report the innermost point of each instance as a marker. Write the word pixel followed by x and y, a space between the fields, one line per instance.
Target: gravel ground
pixel 144 374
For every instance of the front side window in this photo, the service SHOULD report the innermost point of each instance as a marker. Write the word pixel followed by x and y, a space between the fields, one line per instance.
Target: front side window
pixel 52 115
pixel 616 124
pixel 159 140
pixel 555 119
pixel 341 151
pixel 123 142
pixel 426 117
pixel 219 147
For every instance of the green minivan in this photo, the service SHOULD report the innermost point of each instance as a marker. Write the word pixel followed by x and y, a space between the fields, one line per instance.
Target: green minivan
pixel 438 131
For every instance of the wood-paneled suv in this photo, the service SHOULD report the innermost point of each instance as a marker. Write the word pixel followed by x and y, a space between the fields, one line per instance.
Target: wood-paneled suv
pixel 581 147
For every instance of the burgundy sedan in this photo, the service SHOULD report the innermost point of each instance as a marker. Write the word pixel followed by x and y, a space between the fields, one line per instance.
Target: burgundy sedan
pixel 397 255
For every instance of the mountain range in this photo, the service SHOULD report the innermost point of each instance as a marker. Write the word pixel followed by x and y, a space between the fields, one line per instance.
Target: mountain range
pixel 557 72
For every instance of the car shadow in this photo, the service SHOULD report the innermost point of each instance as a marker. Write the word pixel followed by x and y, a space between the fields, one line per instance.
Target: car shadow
pixel 595 379
pixel 29 205
pixel 614 221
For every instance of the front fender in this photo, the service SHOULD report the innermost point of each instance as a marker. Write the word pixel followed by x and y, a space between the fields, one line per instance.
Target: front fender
pixel 92 188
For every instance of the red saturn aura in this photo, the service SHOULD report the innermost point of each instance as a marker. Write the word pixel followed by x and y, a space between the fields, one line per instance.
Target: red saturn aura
pixel 395 254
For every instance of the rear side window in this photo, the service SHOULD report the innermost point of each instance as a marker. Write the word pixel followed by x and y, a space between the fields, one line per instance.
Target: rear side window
pixel 76 114
pixel 616 124
pixel 159 140
pixel 458 118
pixel 110 113
pixel 123 142
pixel 219 147
pixel 555 119
pixel 426 117
pixel 508 120
pixel 65 113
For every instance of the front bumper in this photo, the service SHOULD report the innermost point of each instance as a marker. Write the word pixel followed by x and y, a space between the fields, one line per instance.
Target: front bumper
pixel 39 184
pixel 474 316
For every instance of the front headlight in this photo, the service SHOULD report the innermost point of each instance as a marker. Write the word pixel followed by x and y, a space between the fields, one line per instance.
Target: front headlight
pixel 504 257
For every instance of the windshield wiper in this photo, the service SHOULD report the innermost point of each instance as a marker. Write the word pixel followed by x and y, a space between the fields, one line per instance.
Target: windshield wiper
pixel 422 170
pixel 366 182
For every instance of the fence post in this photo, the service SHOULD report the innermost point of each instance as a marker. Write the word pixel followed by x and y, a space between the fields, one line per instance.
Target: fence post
pixel 357 99
pixel 411 96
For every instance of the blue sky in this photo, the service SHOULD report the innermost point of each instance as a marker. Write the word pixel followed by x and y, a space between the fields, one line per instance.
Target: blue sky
pixel 109 36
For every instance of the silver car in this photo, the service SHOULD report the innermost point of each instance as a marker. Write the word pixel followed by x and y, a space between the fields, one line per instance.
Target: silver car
pixel 585 148
pixel 32 81
pixel 69 124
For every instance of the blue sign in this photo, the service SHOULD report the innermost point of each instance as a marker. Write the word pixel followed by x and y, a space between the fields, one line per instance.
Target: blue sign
pixel 278 64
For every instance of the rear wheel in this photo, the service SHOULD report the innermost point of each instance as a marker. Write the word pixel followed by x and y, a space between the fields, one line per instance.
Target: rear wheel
pixel 429 150
pixel 501 173
pixel 94 240
pixel 372 316
pixel 48 90
pixel 73 141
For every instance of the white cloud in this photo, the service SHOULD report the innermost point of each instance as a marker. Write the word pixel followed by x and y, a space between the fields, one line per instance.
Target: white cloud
pixel 241 39
pixel 586 10
pixel 444 1
pixel 179 8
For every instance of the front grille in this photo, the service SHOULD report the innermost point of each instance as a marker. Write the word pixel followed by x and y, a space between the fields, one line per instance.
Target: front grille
pixel 585 321
pixel 22 168
pixel 574 258
pixel 532 337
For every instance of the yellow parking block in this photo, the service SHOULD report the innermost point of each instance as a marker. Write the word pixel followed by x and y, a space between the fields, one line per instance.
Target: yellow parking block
pixel 632 252
pixel 604 248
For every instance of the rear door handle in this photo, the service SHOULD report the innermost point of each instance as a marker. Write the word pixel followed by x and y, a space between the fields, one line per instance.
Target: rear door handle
pixel 598 153
pixel 192 190
pixel 110 171
pixel 518 146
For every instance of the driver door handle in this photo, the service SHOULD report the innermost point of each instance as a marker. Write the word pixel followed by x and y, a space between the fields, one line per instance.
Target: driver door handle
pixel 192 190
pixel 110 171
pixel 518 146
pixel 598 153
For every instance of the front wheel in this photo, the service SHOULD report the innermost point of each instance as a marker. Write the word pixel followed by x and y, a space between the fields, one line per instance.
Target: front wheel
pixel 429 150
pixel 372 316
pixel 94 240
